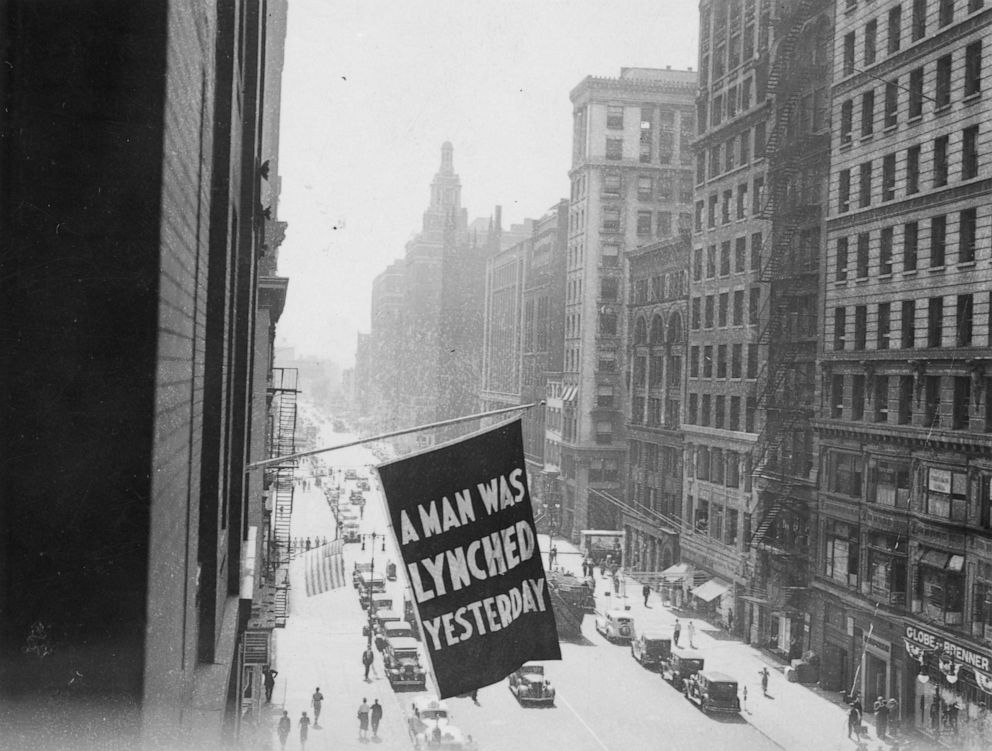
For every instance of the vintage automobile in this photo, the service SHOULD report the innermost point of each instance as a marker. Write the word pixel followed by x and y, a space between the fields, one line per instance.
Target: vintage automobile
pixel 356 498
pixel 391 571
pixel 396 629
pixel 447 738
pixel 650 649
pixel 379 601
pixel 350 474
pixel 363 484
pixel 361 567
pixel 411 617
pixel 615 625
pixel 713 692
pixel 379 619
pixel 428 719
pixel 401 658
pixel 681 664
pixel 530 686
pixel 350 532
pixel 370 580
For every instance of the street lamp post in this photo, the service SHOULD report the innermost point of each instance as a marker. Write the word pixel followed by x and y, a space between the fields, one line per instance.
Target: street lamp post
pixel 373 536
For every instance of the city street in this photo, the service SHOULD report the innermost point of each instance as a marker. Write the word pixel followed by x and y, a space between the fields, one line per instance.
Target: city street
pixel 605 700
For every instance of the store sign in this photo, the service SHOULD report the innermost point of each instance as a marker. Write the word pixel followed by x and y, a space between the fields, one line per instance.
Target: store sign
pixel 928 640
pixel 939 481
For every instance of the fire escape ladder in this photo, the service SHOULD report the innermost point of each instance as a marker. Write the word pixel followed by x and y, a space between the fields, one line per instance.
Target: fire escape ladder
pixel 282 442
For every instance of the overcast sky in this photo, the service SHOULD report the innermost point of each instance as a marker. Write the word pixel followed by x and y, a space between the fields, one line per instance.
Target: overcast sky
pixel 372 89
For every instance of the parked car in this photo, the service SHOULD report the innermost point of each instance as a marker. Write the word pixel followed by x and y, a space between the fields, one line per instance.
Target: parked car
pixel 530 686
pixel 401 658
pixel 356 498
pixel 361 567
pixel 380 601
pixel 650 649
pixel 411 617
pixel 615 625
pixel 370 580
pixel 681 664
pixel 713 692
pixel 350 474
pixel 350 532
pixel 396 629
pixel 363 484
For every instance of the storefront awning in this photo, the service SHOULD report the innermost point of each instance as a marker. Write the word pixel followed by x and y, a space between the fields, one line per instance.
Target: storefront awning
pixel 676 572
pixel 940 559
pixel 711 590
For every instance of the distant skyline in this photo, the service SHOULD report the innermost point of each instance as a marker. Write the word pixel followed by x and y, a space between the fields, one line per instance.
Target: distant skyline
pixel 372 90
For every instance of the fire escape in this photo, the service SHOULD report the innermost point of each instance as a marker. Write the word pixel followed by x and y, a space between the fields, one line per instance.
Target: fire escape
pixel 279 478
pixel 796 154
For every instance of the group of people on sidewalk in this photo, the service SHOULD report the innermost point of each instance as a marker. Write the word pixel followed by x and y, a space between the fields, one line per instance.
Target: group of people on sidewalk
pixel 884 709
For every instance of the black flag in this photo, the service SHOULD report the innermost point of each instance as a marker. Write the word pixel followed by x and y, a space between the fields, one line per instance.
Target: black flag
pixel 463 521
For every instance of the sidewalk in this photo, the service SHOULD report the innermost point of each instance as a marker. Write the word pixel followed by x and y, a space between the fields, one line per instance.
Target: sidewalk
pixel 792 715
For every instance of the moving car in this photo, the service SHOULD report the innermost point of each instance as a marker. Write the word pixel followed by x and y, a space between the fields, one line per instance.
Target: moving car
pixel 681 664
pixel 529 685
pixel 363 484
pixel 350 532
pixel 615 625
pixel 650 649
pixel 401 658
pixel 713 692
pixel 356 498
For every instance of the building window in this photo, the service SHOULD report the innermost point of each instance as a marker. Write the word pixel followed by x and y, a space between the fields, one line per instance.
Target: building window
pixel 721 361
pixel 908 338
pixel 711 214
pixel 849 54
pixel 919 27
pixel 935 321
pixel 610 255
pixel 604 395
pixel 693 409
pixel 645 187
pixel 704 416
pixel 611 183
pixel 868 113
pixel 643 223
pixel 695 312
pixel 740 255
pixel 841 555
pixel 836 396
pixel 844 191
pixel 887 568
pixel 736 356
pixel 735 413
pixel 973 69
pixel 708 361
pixel 664 223
pixel 742 200
pixel 840 322
pixel 981 612
pixel 912 170
pixel 756 251
pixel 940 145
pixel 860 326
pixel 699 215
pixel 745 147
pixel 863 247
pixel 885 251
pixel 752 361
pixel 708 312
pixel 871 34
pixel 728 197
pixel 614 116
pixel 725 258
pixel 964 320
pixel 968 224
pixel 939 591
pixel 911 241
pixel 895 29
pixel 846 121
pixel 722 309
pixel 942 93
pixel 604 432
pixel 915 93
pixel 891 103
pixel 969 153
pixel 931 412
pixel 719 412
pixel 694 362
pixel 711 261
pixel 884 325
pixel 858 397
pixel 888 177
pixel 841 271
pixel 864 185
pixel 754 305
pixel 905 400
pixel 938 241
pixel 738 316
pixel 608 324
pixel 611 219
pixel 945 15
pixel 844 473
pixel 614 148
pixel 962 403
pixel 750 414
pixel 881 398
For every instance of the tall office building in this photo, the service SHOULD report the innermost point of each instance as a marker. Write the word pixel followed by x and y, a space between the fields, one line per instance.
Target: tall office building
pixel 903 584
pixel 631 184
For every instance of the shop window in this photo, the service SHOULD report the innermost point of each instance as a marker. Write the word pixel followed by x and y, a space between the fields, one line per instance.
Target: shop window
pixel 939 593
pixel 888 482
pixel 981 612
pixel 844 472
pixel 887 568
pixel 842 553
pixel 947 494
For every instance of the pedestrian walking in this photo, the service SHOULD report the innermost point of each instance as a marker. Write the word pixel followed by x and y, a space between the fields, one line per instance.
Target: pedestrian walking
pixel 316 701
pixel 307 543
pixel 881 717
pixel 285 725
pixel 616 583
pixel 304 729
pixel 764 680
pixel 678 631
pixel 646 591
pixel 376 716
pixel 744 697
pixel 363 720
pixel 691 629
pixel 854 722
pixel 361 510
pixel 367 658
pixel 270 682
pixel 553 556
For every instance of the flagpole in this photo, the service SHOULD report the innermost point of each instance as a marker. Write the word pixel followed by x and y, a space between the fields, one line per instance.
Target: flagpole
pixel 299 455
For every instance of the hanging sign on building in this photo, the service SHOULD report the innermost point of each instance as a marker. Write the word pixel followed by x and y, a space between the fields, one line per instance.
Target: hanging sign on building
pixel 917 638
pixel 462 518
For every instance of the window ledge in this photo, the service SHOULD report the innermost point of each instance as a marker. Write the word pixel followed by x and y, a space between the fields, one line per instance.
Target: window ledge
pixel 915 120
pixel 885 277
pixel 840 282
pixel 972 98
pixel 891 128
pixel 936 269
pixel 942 110
pixel 909 272
pixel 867 138
pixel 862 280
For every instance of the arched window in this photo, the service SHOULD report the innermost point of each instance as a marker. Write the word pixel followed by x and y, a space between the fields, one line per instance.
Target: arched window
pixel 657 330
pixel 640 332
pixel 675 335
